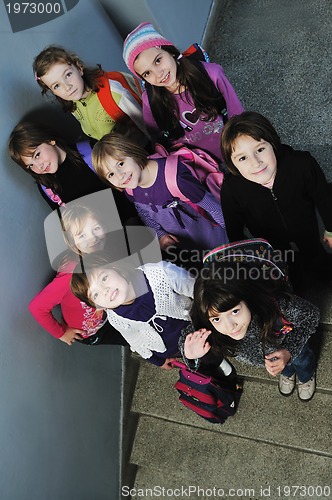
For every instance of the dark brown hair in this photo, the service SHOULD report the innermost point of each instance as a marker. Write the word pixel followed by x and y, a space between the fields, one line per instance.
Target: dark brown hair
pixel 200 91
pixel 25 139
pixel 221 286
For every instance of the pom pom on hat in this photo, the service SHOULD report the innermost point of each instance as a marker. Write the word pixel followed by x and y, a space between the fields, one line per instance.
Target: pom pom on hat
pixel 141 38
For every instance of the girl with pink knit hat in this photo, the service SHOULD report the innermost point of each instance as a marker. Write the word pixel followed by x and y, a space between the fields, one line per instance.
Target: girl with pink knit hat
pixel 185 101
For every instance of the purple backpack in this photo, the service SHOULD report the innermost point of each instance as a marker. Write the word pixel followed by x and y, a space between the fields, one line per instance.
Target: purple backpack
pixel 199 163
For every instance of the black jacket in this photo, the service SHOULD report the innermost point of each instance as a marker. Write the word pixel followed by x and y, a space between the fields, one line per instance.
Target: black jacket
pixel 286 213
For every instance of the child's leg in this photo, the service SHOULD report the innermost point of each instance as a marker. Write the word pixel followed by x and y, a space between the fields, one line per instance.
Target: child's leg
pixel 304 364
pixel 217 367
pixel 305 368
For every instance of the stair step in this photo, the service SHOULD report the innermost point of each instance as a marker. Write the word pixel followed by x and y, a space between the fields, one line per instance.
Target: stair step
pixel 172 455
pixel 153 479
pixel 287 421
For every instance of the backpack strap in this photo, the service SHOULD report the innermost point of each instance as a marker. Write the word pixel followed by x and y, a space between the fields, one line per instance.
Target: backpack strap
pixel 52 195
pixel 171 172
pixel 106 98
pixel 196 51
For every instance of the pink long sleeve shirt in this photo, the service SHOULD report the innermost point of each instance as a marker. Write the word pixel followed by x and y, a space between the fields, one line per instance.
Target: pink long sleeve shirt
pixel 75 314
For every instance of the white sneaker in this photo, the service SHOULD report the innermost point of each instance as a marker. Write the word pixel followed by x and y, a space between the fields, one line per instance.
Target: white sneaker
pixel 307 390
pixel 286 385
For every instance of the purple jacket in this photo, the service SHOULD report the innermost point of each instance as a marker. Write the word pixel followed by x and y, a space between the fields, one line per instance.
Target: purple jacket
pixel 198 133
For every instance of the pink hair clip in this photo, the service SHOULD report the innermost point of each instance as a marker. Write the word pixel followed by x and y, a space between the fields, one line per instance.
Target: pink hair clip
pixel 179 57
pixel 37 77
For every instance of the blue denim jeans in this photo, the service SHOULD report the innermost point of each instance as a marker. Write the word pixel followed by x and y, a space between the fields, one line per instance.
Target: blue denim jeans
pixel 304 365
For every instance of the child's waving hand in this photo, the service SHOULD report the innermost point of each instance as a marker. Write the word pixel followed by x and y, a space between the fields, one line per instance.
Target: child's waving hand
pixel 196 345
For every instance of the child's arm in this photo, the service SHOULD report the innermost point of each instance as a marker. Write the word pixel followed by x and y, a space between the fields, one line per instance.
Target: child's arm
pixel 71 334
pixel 232 211
pixel 44 302
pixel 217 75
pixel 303 318
pixel 320 191
pixel 212 207
pixel 328 238
pixel 180 279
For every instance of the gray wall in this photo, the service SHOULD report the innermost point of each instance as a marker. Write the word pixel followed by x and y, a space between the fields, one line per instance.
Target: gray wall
pixel 59 415
pixel 182 21
pixel 59 412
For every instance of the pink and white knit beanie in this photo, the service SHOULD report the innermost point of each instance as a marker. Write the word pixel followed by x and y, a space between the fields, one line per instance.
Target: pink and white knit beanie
pixel 141 38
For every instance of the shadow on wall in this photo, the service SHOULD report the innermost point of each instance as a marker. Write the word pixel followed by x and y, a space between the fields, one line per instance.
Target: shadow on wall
pixel 52 116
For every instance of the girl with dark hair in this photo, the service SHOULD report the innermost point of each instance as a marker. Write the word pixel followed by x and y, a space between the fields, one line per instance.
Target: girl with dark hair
pixel 255 319
pixel 60 170
pixel 100 101
pixel 185 101
pixel 274 193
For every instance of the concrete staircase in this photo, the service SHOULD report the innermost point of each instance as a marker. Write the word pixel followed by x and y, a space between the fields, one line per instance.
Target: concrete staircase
pixel 272 442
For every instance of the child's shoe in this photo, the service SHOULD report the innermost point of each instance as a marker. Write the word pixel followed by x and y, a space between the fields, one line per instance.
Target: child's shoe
pixel 286 385
pixel 307 390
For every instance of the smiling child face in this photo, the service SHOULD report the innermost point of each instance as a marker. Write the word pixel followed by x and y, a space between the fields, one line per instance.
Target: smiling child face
pixel 234 323
pixel 123 173
pixel 255 160
pixel 45 159
pixel 158 68
pixel 108 289
pixel 91 237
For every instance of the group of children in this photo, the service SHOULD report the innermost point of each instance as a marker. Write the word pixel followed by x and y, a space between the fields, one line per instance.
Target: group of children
pixel 270 191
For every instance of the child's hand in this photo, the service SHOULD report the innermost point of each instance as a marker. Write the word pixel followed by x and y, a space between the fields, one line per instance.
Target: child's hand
pixel 276 361
pixel 168 240
pixel 327 240
pixel 71 334
pixel 195 345
pixel 168 364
